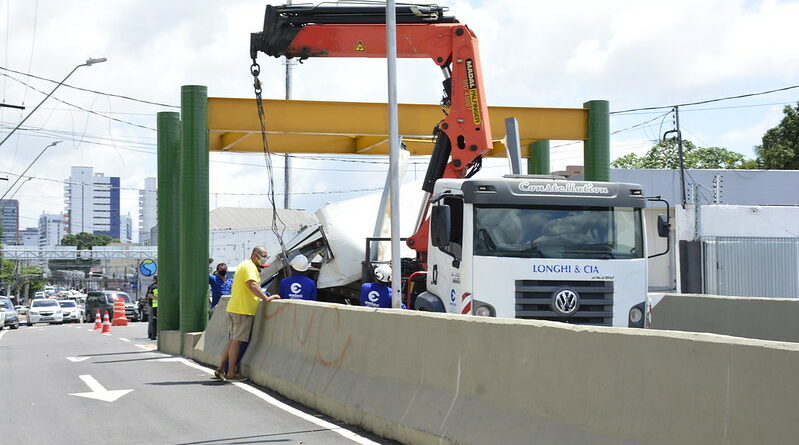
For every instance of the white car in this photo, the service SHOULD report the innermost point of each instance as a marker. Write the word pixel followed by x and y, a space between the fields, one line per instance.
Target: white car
pixel 72 313
pixel 39 294
pixel 45 310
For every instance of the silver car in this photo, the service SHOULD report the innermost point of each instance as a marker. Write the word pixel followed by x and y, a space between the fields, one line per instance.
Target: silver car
pixel 45 310
pixel 8 315
pixel 72 313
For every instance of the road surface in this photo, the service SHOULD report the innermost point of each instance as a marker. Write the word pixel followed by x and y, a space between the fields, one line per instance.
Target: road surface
pixel 69 384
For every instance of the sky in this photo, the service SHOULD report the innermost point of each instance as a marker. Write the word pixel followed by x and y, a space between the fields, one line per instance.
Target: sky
pixel 534 54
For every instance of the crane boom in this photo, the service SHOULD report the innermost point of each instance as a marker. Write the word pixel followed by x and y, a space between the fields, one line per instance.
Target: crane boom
pixel 463 135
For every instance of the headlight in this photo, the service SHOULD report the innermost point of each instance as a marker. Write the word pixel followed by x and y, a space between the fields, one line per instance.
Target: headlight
pixel 636 315
pixel 34 312
pixel 58 311
pixel 483 311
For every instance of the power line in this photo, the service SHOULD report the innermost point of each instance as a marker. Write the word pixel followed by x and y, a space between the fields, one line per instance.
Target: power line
pixel 312 192
pixel 120 96
pixel 686 104
pixel 77 106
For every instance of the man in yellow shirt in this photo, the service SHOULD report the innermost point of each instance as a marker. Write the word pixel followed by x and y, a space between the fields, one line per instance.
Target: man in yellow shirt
pixel 244 296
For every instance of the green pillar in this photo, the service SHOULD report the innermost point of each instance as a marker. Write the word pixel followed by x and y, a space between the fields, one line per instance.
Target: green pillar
pixel 168 221
pixel 597 147
pixel 538 162
pixel 194 209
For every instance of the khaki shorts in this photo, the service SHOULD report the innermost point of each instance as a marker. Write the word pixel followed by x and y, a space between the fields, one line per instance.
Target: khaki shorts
pixel 240 326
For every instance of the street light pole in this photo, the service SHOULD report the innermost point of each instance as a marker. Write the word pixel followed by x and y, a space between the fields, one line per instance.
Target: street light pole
pixel 89 62
pixel 22 175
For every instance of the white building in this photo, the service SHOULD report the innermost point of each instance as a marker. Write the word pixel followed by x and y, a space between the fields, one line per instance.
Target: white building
pixel 126 229
pixel 235 231
pixel 737 235
pixel 92 202
pixel 52 229
pixel 148 211
pixel 29 237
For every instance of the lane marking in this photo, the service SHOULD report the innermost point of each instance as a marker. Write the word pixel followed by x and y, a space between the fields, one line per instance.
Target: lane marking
pixel 146 347
pixel 124 339
pixel 77 359
pixel 278 404
pixel 98 392
pixel 2 333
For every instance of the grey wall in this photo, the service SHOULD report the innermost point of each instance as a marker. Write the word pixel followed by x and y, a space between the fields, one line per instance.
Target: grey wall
pixel 761 318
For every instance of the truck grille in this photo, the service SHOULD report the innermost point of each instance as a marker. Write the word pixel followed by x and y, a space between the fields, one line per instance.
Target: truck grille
pixel 534 301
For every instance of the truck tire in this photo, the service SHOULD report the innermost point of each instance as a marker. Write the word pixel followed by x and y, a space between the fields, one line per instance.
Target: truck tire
pixel 427 301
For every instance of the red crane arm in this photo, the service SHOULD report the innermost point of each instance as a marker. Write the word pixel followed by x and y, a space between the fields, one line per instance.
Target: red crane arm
pixel 463 136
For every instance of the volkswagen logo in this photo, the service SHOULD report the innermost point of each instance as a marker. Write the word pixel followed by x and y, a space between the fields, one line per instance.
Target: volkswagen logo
pixel 565 302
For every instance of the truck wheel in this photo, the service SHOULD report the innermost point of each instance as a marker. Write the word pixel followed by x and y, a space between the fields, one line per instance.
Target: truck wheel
pixel 427 301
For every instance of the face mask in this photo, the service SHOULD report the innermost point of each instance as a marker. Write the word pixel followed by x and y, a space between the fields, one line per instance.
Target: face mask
pixel 222 272
pixel 260 260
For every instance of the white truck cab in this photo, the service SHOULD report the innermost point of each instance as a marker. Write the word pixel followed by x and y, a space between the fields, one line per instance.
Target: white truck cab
pixel 524 247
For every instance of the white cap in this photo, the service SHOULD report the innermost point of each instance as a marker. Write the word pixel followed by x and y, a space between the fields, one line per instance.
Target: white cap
pixel 383 273
pixel 300 263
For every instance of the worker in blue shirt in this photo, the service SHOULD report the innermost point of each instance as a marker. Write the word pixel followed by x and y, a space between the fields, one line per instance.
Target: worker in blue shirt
pixel 378 294
pixel 220 283
pixel 298 286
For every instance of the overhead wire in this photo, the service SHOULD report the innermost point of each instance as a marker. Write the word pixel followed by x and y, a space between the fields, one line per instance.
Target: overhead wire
pixel 78 106
pixel 89 90
pixel 707 101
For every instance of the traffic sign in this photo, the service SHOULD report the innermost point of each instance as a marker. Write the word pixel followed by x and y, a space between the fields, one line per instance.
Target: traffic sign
pixel 148 267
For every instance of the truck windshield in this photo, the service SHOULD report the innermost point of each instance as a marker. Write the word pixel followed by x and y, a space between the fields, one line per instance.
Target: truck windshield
pixel 558 232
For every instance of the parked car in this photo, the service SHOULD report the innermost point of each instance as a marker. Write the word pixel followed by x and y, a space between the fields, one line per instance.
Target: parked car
pixel 8 313
pixel 104 301
pixel 45 310
pixel 72 312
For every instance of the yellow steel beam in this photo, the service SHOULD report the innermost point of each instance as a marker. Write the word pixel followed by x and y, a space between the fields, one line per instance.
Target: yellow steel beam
pixel 358 127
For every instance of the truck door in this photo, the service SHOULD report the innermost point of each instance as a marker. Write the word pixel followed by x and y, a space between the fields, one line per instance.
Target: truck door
pixel 444 262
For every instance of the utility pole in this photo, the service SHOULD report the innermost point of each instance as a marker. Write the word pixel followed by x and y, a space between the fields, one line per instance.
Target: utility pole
pixel 286 158
pixel 680 153
pixel 682 158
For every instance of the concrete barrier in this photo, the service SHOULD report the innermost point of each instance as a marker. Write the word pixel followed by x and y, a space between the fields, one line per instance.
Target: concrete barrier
pixel 750 317
pixel 433 378
pixel 169 342
pixel 208 348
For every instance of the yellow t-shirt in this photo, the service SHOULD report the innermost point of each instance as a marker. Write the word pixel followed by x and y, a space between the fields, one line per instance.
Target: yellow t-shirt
pixel 242 301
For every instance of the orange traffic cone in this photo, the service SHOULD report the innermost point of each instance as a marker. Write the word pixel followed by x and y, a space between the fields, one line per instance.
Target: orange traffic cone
pixel 98 324
pixel 119 313
pixel 106 323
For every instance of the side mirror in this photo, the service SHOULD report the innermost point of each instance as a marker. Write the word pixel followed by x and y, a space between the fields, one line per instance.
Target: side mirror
pixel 663 226
pixel 439 225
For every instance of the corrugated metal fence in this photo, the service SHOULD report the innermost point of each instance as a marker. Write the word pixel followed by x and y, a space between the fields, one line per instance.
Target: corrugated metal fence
pixel 751 267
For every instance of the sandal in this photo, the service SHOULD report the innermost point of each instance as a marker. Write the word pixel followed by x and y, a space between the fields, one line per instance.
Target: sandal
pixel 219 374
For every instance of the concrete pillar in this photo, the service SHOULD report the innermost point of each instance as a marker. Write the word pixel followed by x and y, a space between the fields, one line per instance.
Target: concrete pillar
pixel 597 147
pixel 194 209
pixel 538 162
pixel 168 220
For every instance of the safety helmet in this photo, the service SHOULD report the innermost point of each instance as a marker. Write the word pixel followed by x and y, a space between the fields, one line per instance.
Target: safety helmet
pixel 300 263
pixel 383 273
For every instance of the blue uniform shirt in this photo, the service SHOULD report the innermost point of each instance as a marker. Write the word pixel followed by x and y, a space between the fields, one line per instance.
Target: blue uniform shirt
pixel 376 295
pixel 219 286
pixel 298 287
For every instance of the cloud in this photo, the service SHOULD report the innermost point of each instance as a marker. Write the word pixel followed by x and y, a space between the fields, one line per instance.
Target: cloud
pixel 534 53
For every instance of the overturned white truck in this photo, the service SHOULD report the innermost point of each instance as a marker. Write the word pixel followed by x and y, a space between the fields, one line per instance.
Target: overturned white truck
pixel 515 247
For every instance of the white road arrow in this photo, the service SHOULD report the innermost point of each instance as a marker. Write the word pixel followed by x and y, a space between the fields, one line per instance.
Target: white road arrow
pixel 98 392
pixel 77 359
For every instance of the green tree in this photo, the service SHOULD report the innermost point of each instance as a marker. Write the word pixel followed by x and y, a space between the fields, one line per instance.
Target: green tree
pixel 665 154
pixel 85 241
pixel 780 147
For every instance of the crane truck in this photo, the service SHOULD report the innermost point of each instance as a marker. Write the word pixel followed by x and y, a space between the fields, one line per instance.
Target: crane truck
pixel 516 246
